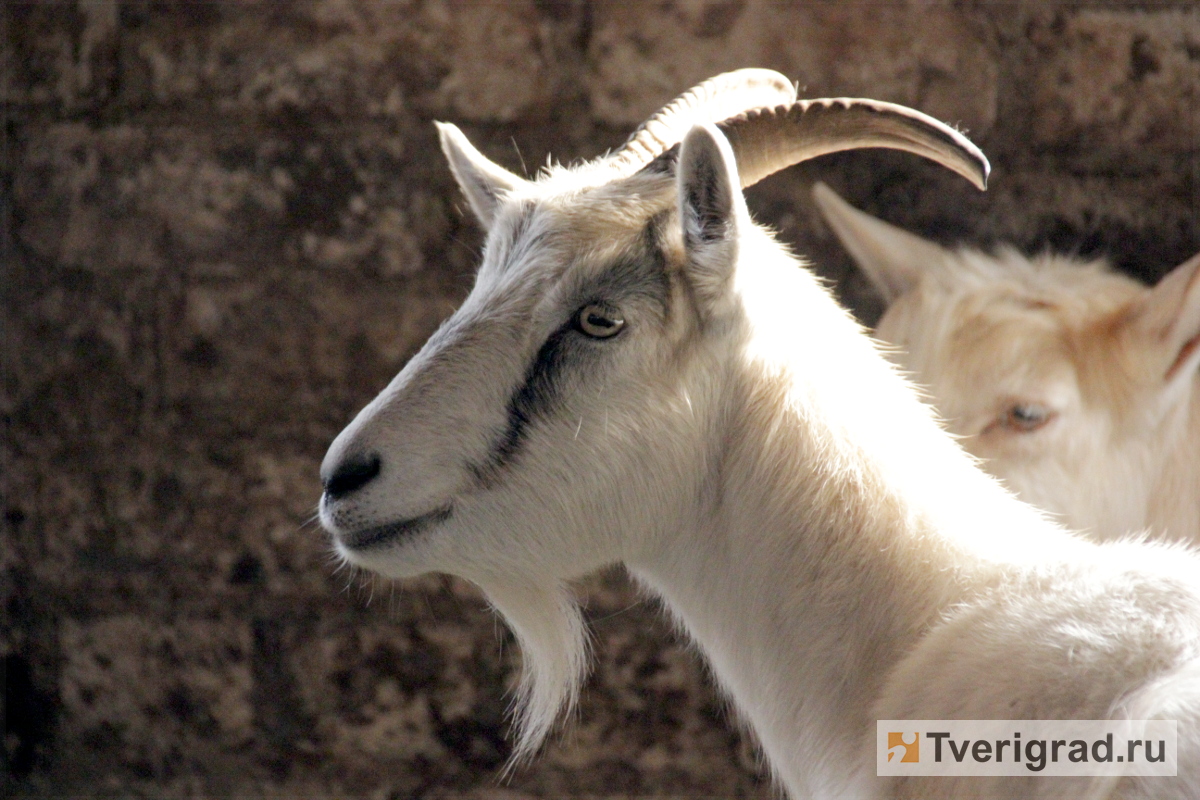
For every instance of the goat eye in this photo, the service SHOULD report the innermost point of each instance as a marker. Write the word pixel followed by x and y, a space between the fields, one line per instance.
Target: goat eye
pixel 598 321
pixel 1026 417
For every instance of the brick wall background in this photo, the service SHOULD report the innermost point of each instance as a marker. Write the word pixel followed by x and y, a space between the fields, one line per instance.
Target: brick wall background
pixel 226 225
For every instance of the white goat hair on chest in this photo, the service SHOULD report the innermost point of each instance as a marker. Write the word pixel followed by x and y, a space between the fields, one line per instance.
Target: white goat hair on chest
pixel 642 375
pixel 1077 386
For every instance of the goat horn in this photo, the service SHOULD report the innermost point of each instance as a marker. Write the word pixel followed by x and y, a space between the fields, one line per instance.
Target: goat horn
pixel 716 99
pixel 766 140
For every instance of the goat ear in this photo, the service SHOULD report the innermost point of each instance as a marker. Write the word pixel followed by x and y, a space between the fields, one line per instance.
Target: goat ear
pixel 483 182
pixel 893 259
pixel 711 209
pixel 1170 314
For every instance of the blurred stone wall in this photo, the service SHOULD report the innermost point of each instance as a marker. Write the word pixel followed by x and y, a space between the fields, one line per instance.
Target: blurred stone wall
pixel 226 225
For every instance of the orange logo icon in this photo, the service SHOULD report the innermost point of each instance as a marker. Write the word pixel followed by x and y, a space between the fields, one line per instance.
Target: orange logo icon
pixel 904 747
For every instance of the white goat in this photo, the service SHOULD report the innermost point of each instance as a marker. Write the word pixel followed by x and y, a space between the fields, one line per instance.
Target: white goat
pixel 1076 385
pixel 643 375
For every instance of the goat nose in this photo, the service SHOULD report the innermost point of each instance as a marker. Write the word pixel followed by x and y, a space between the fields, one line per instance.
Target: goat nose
pixel 351 475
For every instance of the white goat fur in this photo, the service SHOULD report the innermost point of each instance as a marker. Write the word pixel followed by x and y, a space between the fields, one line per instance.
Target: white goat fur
pixel 1108 367
pixel 744 449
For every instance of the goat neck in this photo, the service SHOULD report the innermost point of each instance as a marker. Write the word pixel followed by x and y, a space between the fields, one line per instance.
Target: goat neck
pixel 1174 503
pixel 835 524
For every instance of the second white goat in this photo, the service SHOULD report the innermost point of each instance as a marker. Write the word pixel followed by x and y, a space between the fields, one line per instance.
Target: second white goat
pixel 643 375
pixel 1076 385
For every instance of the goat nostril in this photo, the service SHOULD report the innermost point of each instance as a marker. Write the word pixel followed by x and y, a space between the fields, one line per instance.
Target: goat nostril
pixel 351 475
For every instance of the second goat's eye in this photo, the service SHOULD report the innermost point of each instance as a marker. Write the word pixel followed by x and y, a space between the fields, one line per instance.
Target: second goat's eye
pixel 1026 417
pixel 598 321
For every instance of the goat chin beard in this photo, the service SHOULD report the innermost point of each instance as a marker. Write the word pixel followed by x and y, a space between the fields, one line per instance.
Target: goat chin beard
pixel 550 630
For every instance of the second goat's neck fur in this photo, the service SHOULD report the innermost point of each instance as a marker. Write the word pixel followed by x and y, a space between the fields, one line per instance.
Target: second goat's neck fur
pixel 1174 502
pixel 803 615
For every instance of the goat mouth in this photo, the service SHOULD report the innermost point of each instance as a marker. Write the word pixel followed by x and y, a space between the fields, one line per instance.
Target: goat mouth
pixel 367 538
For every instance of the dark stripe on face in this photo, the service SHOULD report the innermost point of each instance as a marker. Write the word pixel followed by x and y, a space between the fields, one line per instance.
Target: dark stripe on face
pixel 641 273
pixel 534 397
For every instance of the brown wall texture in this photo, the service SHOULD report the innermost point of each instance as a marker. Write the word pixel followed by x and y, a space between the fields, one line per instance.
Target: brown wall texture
pixel 225 227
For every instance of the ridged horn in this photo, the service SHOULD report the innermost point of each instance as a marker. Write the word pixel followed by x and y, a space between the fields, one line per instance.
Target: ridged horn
pixel 766 140
pixel 718 98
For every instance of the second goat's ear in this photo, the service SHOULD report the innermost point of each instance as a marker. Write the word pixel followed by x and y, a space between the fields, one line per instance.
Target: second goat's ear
pixel 893 259
pixel 483 182
pixel 1170 316
pixel 712 210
